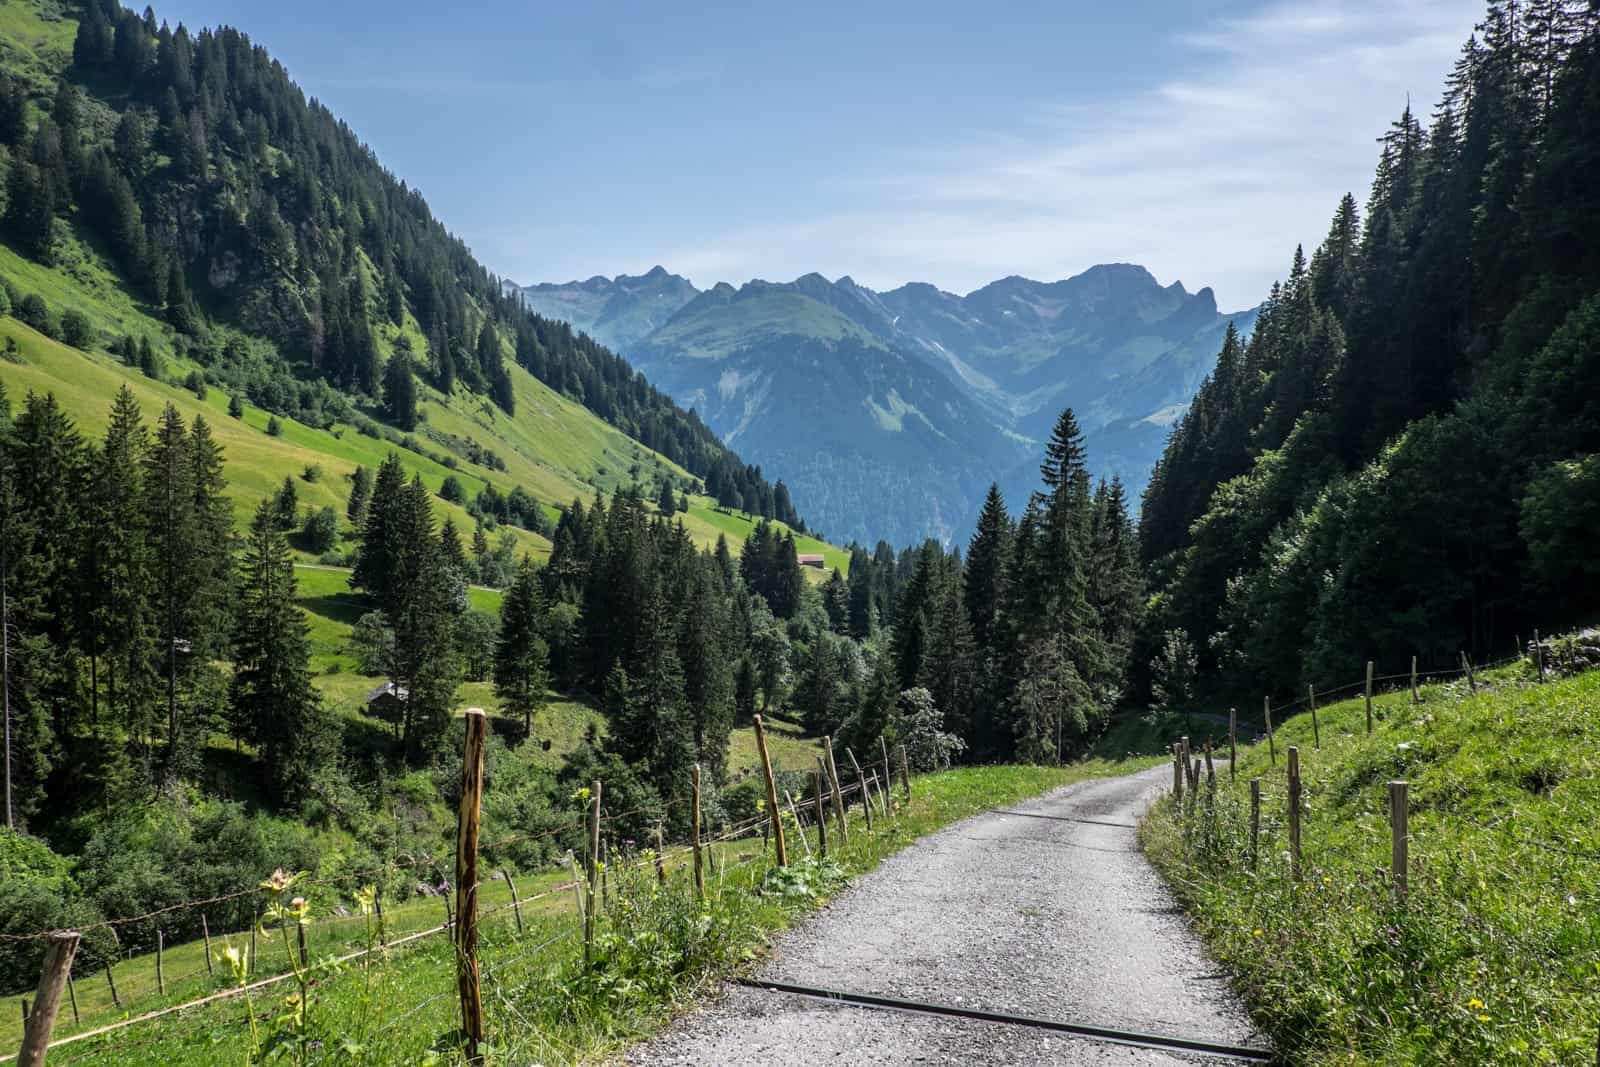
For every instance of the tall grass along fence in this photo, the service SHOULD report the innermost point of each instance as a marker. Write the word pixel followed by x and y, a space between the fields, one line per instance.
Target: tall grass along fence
pixel 1267 850
pixel 488 935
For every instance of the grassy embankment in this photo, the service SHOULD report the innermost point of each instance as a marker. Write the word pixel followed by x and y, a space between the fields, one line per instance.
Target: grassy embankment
pixel 656 948
pixel 1494 957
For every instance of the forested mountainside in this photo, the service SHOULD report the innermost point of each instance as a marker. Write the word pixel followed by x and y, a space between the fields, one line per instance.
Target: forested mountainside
pixel 227 199
pixel 890 413
pixel 1402 459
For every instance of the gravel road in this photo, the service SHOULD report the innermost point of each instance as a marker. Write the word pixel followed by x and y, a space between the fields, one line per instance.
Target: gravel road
pixel 1047 917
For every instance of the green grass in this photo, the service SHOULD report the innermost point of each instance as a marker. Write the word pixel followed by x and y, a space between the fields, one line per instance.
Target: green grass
pixel 1495 955
pixel 705 521
pixel 659 950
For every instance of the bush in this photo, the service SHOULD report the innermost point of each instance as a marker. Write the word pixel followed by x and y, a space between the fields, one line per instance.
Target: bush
pixel 451 490
pixel 5 301
pixel 36 313
pixel 76 331
pixel 196 384
pixel 312 472
pixel 321 530
pixel 274 427
pixel 236 406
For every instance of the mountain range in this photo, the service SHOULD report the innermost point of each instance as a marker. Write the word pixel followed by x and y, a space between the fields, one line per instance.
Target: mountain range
pixel 889 413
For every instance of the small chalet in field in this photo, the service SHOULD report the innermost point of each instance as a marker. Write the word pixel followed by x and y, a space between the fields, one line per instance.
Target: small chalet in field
pixel 809 559
pixel 387 701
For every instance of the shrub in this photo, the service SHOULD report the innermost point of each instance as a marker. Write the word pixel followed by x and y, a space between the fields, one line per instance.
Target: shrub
pixel 36 313
pixel 76 331
pixel 312 472
pixel 451 490
pixel 196 384
pixel 274 427
pixel 321 530
pixel 236 406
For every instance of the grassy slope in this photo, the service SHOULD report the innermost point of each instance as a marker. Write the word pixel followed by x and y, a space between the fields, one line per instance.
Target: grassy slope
pixel 415 988
pixel 1494 958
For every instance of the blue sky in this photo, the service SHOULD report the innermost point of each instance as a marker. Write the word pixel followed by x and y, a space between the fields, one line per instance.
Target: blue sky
pixel 943 142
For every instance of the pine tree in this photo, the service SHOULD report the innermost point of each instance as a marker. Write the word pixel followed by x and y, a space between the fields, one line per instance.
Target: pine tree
pixel 400 392
pixel 170 517
pixel 286 505
pixel 521 672
pixel 379 556
pixel 987 556
pixel 360 494
pixel 273 702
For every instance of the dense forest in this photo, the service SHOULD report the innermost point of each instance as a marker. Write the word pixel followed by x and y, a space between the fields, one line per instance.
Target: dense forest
pixel 1402 459
pixel 228 199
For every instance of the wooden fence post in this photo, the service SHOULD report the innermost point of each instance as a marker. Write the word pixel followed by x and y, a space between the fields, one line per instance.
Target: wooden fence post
pixel 888 773
pixel 468 979
pixel 205 931
pixel 161 974
pixel 905 772
pixel 1233 743
pixel 861 780
pixel 1294 812
pixel 116 1002
pixel 72 995
pixel 55 974
pixel 1316 730
pixel 838 794
pixel 661 854
pixel 1466 665
pixel 1255 821
pixel 699 860
pixel 1177 771
pixel 1538 654
pixel 772 794
pixel 577 883
pixel 880 792
pixel 516 902
pixel 1211 768
pixel 1416 698
pixel 1400 840
pixel 1369 698
pixel 822 816
pixel 594 871
pixel 1272 744
pixel 799 827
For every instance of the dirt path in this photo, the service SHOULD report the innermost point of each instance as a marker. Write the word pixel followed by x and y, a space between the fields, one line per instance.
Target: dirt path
pixel 1052 918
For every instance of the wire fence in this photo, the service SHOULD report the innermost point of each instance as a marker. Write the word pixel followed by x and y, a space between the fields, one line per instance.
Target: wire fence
pixel 525 929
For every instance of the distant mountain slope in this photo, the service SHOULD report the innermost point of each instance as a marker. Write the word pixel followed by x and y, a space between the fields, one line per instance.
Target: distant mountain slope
pixel 889 412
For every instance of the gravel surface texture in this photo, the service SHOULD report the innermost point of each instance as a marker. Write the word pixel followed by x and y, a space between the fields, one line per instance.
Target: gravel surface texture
pixel 1051 917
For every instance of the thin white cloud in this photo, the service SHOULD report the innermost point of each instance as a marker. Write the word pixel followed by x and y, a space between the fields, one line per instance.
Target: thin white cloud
pixel 1211 174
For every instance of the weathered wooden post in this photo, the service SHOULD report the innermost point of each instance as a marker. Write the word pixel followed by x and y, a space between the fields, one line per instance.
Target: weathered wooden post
pixel 594 872
pixel 861 780
pixel 1177 771
pixel 1233 743
pixel 1211 768
pixel 1369 698
pixel 1538 654
pixel 661 855
pixel 468 978
pixel 799 827
pixel 822 816
pixel 772 794
pixel 1272 744
pixel 1400 839
pixel 72 995
pixel 161 976
pixel 41 1020
pixel 1466 665
pixel 905 772
pixel 516 902
pixel 888 773
pixel 1255 821
pixel 699 868
pixel 1416 698
pixel 578 881
pixel 1294 812
pixel 1316 730
pixel 838 794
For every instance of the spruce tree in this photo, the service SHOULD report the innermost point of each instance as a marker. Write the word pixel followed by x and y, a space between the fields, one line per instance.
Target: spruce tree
pixel 273 702
pixel 400 392
pixel 521 672
pixel 286 505
pixel 987 556
pixel 170 517
pixel 360 494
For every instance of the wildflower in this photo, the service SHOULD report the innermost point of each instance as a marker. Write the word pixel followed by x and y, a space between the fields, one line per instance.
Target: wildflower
pixel 366 897
pixel 279 882
pixel 1475 1004
pixel 1259 932
pixel 1483 1018
pixel 238 961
